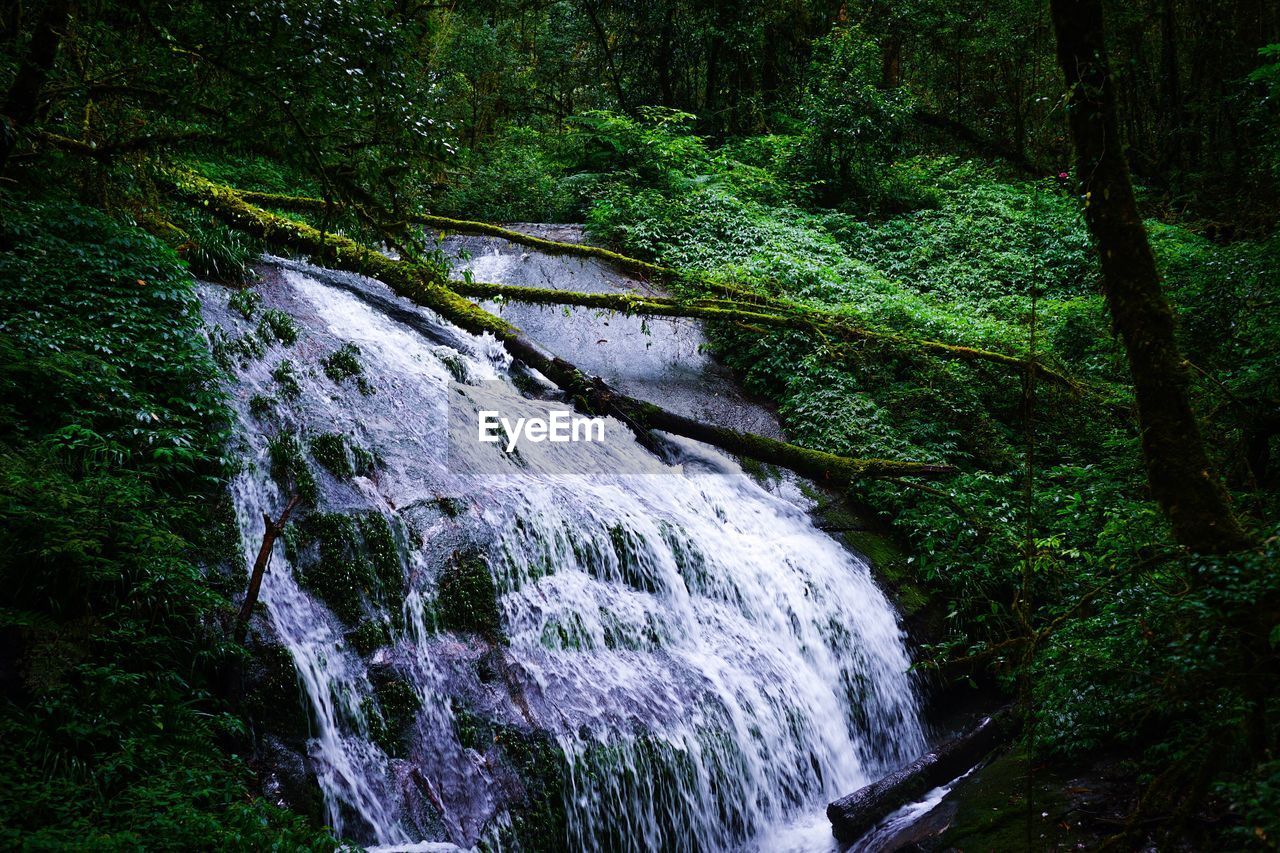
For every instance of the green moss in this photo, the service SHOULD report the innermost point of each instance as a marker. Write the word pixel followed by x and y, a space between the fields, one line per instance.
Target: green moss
pixel 274 700
pixel 890 563
pixel 354 562
pixel 539 820
pixel 343 364
pixel 629 546
pixel 452 507
pixel 285 375
pixel 992 810
pixel 342 456
pixel 390 713
pixel 472 730
pixel 468 599
pixel 330 450
pixel 290 469
pixel 363 461
pixel 372 635
pixel 455 365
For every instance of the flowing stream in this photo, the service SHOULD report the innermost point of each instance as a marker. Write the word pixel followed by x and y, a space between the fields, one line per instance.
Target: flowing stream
pixel 681 661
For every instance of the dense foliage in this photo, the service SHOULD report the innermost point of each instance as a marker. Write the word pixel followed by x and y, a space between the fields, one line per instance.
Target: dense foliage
pixel 111 461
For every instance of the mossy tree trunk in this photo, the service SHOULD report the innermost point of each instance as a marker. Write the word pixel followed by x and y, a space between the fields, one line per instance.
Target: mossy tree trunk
pixel 587 393
pixel 1182 479
pixel 739 305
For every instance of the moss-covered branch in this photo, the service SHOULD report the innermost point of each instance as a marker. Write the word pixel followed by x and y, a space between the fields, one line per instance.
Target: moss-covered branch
pixel 822 323
pixel 745 307
pixel 588 393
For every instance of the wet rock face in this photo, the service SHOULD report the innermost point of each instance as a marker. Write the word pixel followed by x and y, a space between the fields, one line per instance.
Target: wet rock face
pixel 639 653
pixel 663 361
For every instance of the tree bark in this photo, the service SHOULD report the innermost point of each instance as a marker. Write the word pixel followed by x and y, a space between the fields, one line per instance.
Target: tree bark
pixel 1182 479
pixel 23 99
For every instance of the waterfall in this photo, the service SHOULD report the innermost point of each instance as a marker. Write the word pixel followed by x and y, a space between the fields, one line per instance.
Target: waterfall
pixel 589 647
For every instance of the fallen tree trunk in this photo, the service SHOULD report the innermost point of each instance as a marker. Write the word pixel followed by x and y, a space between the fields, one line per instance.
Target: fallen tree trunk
pixel 745 306
pixel 853 816
pixel 587 393
pixel 822 323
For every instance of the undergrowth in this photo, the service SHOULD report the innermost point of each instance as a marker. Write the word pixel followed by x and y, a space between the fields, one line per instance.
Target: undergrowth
pixel 111 476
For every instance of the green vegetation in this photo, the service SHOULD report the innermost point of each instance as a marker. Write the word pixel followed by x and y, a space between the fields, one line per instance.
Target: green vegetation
pixel 343 364
pixel 351 562
pixel 390 712
pixel 468 598
pixel 290 469
pixel 285 375
pixel 112 734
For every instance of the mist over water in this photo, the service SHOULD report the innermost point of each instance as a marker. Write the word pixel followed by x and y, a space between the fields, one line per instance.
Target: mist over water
pixel 707 666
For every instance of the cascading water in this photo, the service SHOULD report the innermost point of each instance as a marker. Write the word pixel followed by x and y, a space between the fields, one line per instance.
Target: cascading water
pixel 678 659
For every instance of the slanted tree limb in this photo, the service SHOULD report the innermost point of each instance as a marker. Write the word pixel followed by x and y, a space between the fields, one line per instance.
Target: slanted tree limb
pixel 744 306
pixel 588 393
pixel 269 536
pixel 823 323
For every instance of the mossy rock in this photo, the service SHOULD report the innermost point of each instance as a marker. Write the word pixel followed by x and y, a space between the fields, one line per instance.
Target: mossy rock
pixel 991 811
pixel 372 635
pixel 451 507
pixel 468 600
pixel 390 713
pixel 274 700
pixel 290 469
pixel 355 562
pixel 890 563
pixel 538 820
pixel 630 548
pixel 472 730
pixel 343 364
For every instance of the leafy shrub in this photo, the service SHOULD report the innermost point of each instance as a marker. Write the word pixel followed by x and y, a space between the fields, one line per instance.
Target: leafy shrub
pixel 851 124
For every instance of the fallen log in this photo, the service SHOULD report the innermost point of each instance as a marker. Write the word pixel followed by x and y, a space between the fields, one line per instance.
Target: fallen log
pixel 587 393
pixel 743 306
pixel 853 816
pixel 822 323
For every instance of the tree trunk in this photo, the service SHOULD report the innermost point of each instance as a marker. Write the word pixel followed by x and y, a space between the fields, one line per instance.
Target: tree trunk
pixel 1178 468
pixel 23 100
pixel 1170 85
